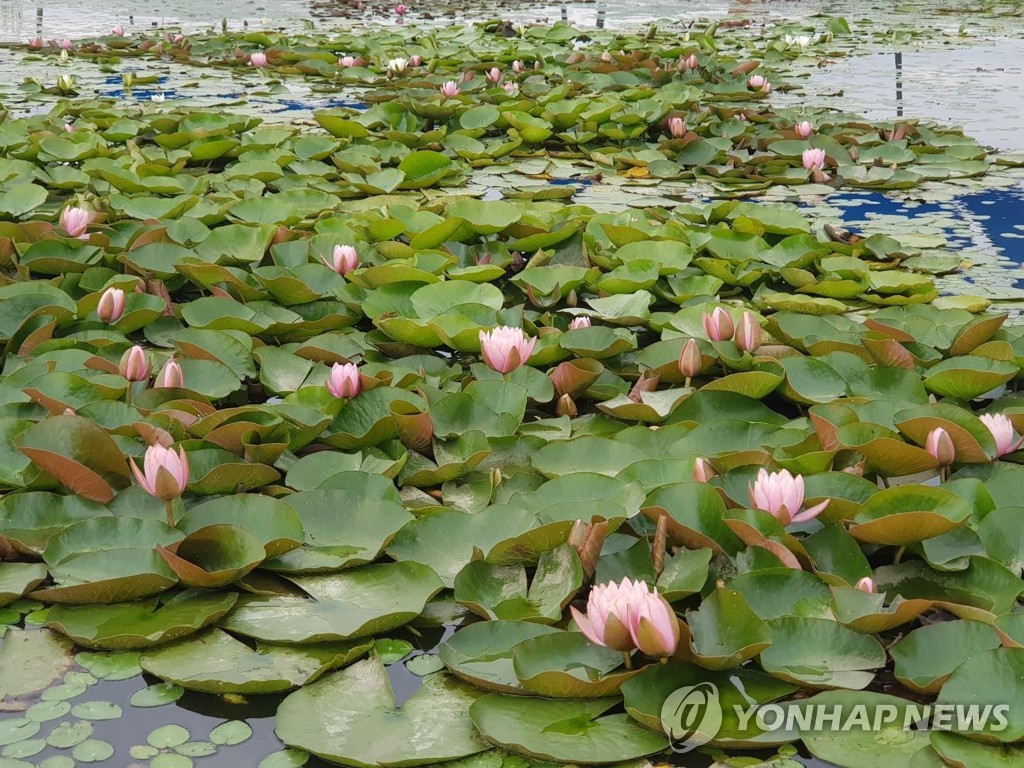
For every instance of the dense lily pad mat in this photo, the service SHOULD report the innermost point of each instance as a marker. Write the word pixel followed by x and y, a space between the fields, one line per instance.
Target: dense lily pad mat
pixel 274 393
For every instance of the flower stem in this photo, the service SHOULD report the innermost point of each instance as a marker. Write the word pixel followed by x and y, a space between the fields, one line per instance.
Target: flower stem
pixel 627 660
pixel 170 512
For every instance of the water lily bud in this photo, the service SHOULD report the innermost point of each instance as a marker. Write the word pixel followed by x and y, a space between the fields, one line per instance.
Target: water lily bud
pixel 170 376
pixel 344 258
pixel 66 44
pixel 35 42
pixel 804 129
pixel 400 9
pixel 134 364
pixel 494 75
pixel 495 477
pixel 118 31
pixel 1002 432
pixel 258 59
pixel 579 322
pixel 566 406
pixel 676 127
pixel 691 362
pixel 702 470
pixel 940 445
pixel 512 89
pixel 517 67
pixel 718 326
pixel 165 473
pixel 866 585
pixel 75 221
pixel 344 381
pixel 347 61
pixel 504 349
pixel 781 495
pixel 756 81
pixel 748 333
pixel 111 305
pixel 415 60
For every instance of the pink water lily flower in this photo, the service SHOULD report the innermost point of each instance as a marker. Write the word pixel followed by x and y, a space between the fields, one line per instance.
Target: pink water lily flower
pixel 170 376
pixel 69 128
pixel 804 129
pixel 344 258
pixel 718 326
pixel 866 584
pixel 415 60
pixel 66 44
pixel 676 127
pixel 400 9
pixel 177 38
pixel 653 625
pixel 134 364
pixel 118 31
pixel 781 495
pixel 504 349
pixel 686 63
pixel 344 381
pixel 691 362
pixel 165 473
pixel 347 61
pixel 757 81
pixel 814 159
pixel 494 75
pixel 75 221
pixel 517 67
pixel 35 42
pixel 111 305
pixel 940 445
pixel 1002 431
pixel 748 333
pixel 258 59
pixel 579 322
pixel 702 470
pixel 449 90
pixel 606 621
pixel 512 89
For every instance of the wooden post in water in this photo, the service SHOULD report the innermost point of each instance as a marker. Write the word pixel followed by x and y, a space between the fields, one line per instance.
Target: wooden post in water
pixel 899 84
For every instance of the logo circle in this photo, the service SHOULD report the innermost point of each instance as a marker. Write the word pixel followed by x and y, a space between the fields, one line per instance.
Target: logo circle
pixel 691 716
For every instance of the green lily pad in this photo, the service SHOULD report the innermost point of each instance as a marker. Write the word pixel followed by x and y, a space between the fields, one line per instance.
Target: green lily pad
pixel 140 624
pixel 351 717
pixel 821 653
pixel 563 730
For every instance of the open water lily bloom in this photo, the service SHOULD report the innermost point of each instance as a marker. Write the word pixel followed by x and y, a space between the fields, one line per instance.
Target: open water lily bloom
pixel 781 495
pixel 606 621
pixel 1002 432
pixel 504 349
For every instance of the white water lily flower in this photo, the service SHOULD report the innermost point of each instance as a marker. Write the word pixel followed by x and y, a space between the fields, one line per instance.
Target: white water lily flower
pixel 398 65
pixel 157 97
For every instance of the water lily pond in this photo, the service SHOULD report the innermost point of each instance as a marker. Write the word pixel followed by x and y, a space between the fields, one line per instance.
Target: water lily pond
pixel 506 385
